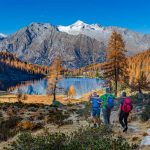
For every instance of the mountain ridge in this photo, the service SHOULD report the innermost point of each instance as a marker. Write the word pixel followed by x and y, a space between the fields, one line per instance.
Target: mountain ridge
pixel 40 43
pixel 135 42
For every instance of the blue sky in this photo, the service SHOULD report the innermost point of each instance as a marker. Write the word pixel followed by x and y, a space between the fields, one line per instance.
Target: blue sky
pixel 132 14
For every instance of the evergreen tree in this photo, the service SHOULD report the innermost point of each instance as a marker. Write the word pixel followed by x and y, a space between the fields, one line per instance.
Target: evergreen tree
pixel 140 82
pixel 54 77
pixel 71 92
pixel 115 68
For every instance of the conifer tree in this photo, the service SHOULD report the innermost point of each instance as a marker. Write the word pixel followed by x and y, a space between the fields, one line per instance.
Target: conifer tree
pixel 71 92
pixel 54 77
pixel 140 83
pixel 115 68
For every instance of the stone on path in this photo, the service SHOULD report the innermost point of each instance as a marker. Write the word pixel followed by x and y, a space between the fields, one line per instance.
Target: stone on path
pixel 148 132
pixel 146 141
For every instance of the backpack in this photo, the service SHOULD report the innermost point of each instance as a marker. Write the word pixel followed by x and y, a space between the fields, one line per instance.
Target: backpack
pixel 126 106
pixel 110 102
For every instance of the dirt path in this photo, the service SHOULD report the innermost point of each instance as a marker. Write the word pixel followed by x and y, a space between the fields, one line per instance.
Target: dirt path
pixel 137 131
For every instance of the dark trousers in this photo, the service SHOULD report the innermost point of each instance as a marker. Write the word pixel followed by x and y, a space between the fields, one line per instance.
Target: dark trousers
pixel 106 115
pixel 123 119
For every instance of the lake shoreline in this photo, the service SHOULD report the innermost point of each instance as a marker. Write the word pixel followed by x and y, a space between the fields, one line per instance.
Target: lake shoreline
pixel 81 85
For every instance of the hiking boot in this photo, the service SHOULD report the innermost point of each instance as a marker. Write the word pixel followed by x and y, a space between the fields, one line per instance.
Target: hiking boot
pixel 94 126
pixel 125 129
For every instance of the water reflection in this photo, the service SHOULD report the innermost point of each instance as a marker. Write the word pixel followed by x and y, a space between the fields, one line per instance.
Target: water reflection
pixel 82 86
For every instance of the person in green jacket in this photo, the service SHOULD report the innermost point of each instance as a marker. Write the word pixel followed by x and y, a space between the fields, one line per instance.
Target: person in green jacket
pixel 107 105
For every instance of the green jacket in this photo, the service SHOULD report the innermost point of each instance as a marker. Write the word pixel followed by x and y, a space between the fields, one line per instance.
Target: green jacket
pixel 104 99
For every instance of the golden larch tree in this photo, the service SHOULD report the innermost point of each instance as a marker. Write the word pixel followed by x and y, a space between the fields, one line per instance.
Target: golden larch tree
pixel 115 68
pixel 54 77
pixel 140 82
pixel 71 92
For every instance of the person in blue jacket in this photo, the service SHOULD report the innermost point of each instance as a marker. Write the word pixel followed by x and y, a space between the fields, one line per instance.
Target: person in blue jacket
pixel 96 103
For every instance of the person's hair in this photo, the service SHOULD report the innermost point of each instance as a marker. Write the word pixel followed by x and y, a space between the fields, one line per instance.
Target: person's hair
pixel 95 94
pixel 124 94
pixel 107 90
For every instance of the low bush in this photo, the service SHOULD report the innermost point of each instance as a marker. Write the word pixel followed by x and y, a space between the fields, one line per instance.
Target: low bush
pixel 84 139
pixel 57 118
pixel 85 111
pixel 7 128
pixel 27 125
pixel 136 100
pixel 22 105
pixel 145 116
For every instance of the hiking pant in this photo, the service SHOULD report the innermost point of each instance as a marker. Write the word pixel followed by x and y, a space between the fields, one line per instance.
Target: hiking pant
pixel 106 115
pixel 96 112
pixel 123 119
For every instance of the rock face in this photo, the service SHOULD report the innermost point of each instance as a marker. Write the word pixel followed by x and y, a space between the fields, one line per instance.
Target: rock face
pixel 79 44
pixel 41 43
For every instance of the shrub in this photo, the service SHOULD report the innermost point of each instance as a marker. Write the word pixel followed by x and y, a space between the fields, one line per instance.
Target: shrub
pixel 84 139
pixel 7 128
pixel 145 116
pixel 10 112
pixel 26 125
pixel 86 111
pixel 57 118
pixel 135 138
pixel 136 100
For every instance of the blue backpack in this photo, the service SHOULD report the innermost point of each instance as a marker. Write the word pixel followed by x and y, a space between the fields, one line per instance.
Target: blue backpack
pixel 110 102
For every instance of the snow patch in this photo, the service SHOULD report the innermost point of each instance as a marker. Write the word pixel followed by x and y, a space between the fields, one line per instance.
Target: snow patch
pixel 3 35
pixel 79 26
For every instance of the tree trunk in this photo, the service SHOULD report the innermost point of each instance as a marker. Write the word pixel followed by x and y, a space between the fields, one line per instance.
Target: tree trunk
pixel 141 95
pixel 140 91
pixel 54 93
pixel 116 77
pixel 116 88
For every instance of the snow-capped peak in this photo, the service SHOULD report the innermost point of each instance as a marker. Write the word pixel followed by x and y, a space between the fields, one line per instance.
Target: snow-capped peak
pixel 3 35
pixel 79 23
pixel 79 26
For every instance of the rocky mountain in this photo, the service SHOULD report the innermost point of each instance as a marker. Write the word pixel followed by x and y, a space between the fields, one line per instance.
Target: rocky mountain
pixel 135 42
pixel 78 45
pixel 41 43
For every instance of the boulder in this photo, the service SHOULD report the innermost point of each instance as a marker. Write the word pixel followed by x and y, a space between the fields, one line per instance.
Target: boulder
pixel 145 141
pixel 148 132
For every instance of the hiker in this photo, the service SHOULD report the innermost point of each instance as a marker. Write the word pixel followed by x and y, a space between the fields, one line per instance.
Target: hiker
pixel 124 110
pixel 96 102
pixel 107 105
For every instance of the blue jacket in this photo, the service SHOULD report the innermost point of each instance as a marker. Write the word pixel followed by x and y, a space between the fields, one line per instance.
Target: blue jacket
pixel 96 101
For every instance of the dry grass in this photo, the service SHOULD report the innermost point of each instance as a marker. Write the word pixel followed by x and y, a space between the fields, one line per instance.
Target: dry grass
pixel 44 99
pixel 41 99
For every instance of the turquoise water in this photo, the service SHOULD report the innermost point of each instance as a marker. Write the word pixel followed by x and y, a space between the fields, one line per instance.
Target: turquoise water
pixel 81 85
